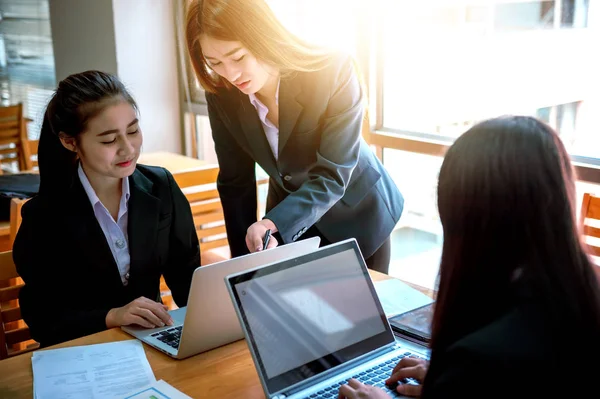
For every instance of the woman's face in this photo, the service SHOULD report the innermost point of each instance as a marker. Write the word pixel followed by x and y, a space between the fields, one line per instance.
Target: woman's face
pixel 232 61
pixel 111 143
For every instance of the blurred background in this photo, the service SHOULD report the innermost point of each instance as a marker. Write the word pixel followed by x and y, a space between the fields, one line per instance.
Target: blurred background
pixel 433 69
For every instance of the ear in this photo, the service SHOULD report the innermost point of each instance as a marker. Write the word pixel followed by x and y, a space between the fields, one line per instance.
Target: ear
pixel 67 141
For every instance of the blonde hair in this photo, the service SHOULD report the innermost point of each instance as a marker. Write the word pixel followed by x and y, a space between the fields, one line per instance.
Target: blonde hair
pixel 255 26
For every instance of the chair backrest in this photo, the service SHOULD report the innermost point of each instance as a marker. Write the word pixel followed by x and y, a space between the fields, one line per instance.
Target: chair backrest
pixel 15 217
pixel 590 221
pixel 590 215
pixel 13 331
pixel 33 152
pixel 13 137
pixel 200 188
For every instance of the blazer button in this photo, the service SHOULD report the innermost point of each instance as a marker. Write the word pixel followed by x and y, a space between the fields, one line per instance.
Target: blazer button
pixel 287 177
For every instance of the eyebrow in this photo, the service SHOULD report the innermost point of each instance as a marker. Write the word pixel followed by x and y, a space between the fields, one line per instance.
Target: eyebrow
pixel 235 50
pixel 133 122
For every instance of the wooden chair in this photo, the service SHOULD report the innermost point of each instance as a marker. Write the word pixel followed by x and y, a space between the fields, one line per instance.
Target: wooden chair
pixel 200 188
pixel 8 230
pixel 590 210
pixel 5 244
pixel 33 151
pixel 590 222
pixel 15 217
pixel 13 137
pixel 13 331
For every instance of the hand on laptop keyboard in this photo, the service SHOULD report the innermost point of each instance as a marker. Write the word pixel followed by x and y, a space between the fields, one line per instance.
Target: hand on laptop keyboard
pixel 411 370
pixel 406 377
pixel 356 389
pixel 141 311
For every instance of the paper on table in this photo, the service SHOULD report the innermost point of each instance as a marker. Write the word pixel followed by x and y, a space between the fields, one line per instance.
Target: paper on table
pixel 159 390
pixel 108 370
pixel 397 297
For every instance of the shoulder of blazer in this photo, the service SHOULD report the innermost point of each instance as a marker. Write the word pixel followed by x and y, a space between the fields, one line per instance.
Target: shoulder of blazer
pixel 35 207
pixel 146 177
pixel 521 332
pixel 340 66
pixel 226 99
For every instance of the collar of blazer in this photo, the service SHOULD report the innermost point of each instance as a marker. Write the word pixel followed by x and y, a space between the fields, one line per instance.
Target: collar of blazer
pixel 143 218
pixel 290 108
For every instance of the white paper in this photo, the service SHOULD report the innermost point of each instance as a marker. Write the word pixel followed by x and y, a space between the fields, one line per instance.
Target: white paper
pixel 159 390
pixel 397 297
pixel 108 370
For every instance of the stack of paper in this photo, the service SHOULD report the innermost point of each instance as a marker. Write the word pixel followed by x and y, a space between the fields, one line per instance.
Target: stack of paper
pixel 397 297
pixel 109 370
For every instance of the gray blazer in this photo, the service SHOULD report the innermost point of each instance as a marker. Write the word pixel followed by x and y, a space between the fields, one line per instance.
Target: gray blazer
pixel 326 175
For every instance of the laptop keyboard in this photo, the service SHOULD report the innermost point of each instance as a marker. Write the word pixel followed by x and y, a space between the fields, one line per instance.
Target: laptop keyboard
pixel 171 337
pixel 375 376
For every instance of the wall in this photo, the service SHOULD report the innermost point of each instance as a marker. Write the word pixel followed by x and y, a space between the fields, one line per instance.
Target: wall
pixel 147 63
pixel 134 39
pixel 83 36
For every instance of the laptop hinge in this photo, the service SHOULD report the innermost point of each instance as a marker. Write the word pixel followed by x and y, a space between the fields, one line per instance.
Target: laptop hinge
pixel 337 370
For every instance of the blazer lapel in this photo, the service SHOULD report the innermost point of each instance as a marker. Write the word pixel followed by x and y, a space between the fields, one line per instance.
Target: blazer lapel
pixel 289 108
pixel 143 214
pixel 91 238
pixel 255 134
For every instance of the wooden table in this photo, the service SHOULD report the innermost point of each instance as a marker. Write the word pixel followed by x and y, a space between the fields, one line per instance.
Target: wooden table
pixel 169 160
pixel 225 372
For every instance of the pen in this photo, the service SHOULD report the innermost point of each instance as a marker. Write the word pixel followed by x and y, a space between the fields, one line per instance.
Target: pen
pixel 266 239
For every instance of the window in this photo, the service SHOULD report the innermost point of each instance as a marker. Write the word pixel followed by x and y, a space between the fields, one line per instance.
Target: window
pixel 448 65
pixel 417 239
pixel 330 23
pixel 26 58
pixel 437 67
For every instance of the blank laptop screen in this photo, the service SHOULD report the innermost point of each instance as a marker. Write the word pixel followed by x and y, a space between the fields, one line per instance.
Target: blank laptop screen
pixel 309 314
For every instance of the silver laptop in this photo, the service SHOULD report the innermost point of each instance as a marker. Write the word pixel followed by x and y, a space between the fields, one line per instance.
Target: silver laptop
pixel 314 322
pixel 209 320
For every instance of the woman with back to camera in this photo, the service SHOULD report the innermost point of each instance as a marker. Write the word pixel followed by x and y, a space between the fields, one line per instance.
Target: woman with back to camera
pixel 518 308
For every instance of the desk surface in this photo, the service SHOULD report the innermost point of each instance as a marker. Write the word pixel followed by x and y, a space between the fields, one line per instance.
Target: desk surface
pixel 225 372
pixel 170 161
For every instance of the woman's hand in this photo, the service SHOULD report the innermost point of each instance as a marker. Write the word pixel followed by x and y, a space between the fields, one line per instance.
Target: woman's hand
pixel 409 367
pixel 142 311
pixel 256 233
pixel 357 390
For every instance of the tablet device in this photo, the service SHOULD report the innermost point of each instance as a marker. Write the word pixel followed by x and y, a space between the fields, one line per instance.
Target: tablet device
pixel 414 324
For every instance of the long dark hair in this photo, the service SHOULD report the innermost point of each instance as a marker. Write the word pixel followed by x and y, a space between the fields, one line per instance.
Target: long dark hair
pixel 506 199
pixel 77 99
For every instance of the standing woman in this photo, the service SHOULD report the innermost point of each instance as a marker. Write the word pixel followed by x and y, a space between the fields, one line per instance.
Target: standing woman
pixel 297 111
pixel 95 241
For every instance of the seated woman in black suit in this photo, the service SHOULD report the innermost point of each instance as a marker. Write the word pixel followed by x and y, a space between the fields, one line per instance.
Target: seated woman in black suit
pixel 95 241
pixel 518 306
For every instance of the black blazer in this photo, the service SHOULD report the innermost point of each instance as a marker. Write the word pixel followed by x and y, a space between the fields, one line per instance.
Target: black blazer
pixel 524 354
pixel 326 175
pixel 71 277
